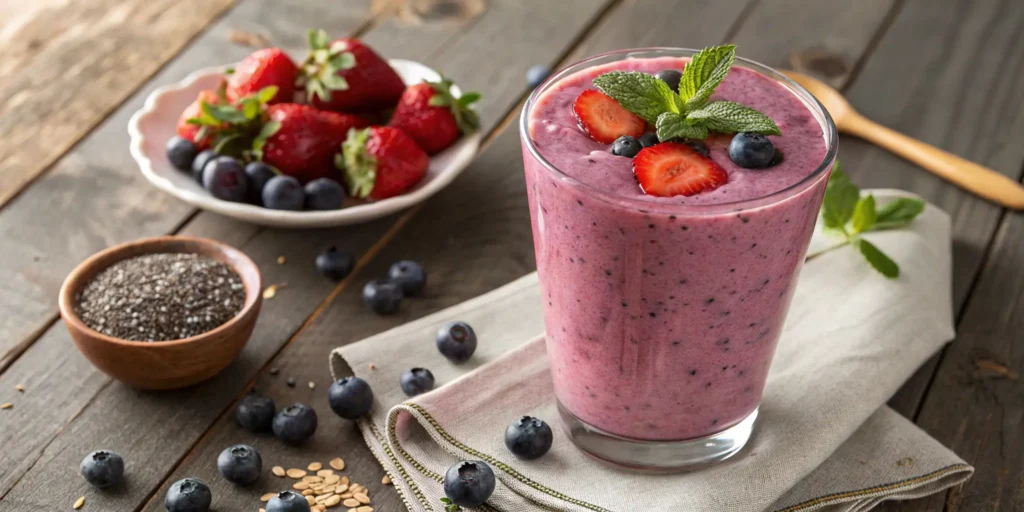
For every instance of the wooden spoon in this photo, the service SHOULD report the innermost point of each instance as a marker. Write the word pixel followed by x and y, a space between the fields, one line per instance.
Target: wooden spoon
pixel 968 175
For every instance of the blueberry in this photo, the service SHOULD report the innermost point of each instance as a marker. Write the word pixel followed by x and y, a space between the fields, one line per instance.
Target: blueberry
pixel 295 424
pixel 700 147
pixel 224 177
pixel 200 162
pixel 283 193
pixel 528 438
pixel 255 412
pixel 626 146
pixel 536 75
pixel 649 139
pixel 456 341
pixel 468 483
pixel 417 381
pixel 409 275
pixel 383 297
pixel 751 150
pixel 181 152
pixel 259 174
pixel 288 501
pixel 670 77
pixel 102 468
pixel 324 194
pixel 188 495
pixel 350 397
pixel 240 464
pixel 334 264
pixel 290 382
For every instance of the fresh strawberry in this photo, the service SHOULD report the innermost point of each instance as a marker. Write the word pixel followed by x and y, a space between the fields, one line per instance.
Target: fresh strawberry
pixel 347 75
pixel 603 119
pixel 191 131
pixel 434 118
pixel 674 168
pixel 301 141
pixel 263 68
pixel 381 162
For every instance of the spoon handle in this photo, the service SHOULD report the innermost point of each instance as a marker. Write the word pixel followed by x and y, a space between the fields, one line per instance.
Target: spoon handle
pixel 966 174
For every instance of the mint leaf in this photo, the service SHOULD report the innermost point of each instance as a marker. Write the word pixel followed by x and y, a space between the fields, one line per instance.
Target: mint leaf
pixel 706 69
pixel 841 198
pixel 898 213
pixel 639 93
pixel 864 214
pixel 878 259
pixel 672 125
pixel 730 117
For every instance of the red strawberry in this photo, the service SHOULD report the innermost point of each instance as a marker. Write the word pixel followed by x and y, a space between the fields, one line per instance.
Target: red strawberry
pixel 347 75
pixel 382 162
pixel 190 131
pixel 434 118
pixel 603 119
pixel 301 141
pixel 264 68
pixel 674 168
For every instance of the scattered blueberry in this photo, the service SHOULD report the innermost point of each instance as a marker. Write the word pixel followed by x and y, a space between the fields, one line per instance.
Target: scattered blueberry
pixel 324 194
pixel 536 75
pixel 699 147
pixel 409 275
pixel 456 341
pixel 751 150
pixel 468 483
pixel 259 174
pixel 240 464
pixel 284 193
pixel 255 412
pixel 188 495
pixel 102 468
pixel 334 264
pixel 626 146
pixel 290 382
pixel 295 423
pixel 777 158
pixel 383 297
pixel 670 77
pixel 181 152
pixel 350 397
pixel 224 177
pixel 200 162
pixel 288 501
pixel 649 139
pixel 528 438
pixel 416 381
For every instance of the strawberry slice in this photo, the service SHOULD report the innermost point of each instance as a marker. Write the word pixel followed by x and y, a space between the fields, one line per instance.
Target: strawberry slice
pixel 673 168
pixel 603 119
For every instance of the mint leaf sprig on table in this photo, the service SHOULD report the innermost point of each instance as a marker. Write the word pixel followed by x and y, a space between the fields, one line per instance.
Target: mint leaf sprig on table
pixel 844 211
pixel 688 113
pixel 449 506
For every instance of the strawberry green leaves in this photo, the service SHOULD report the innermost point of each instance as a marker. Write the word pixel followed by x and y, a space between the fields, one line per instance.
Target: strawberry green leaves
pixel 845 212
pixel 320 70
pixel 687 114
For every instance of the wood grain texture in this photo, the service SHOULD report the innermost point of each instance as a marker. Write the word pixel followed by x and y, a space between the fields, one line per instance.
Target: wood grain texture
pixel 68 64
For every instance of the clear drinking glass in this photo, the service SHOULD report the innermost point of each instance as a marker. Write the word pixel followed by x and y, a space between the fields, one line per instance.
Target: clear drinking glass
pixel 662 366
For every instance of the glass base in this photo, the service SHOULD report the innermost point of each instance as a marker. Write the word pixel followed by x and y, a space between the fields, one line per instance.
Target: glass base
pixel 657 456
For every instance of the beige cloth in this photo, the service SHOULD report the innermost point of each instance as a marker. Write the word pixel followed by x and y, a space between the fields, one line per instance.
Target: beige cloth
pixel 824 439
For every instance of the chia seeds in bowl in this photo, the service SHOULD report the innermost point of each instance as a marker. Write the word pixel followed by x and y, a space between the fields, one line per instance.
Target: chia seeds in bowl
pixel 161 297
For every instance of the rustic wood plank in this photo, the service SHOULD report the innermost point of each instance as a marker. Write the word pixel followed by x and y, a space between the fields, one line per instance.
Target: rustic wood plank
pixel 68 64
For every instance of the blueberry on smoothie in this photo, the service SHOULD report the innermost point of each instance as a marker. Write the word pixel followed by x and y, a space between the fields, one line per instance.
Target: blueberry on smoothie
pixel 456 341
pixel 468 483
pixel 350 397
pixel 255 412
pixel 288 501
pixel 415 381
pixel 670 77
pixel 102 468
pixel 295 424
pixel 409 275
pixel 626 146
pixel 188 495
pixel 240 464
pixel 751 150
pixel 648 139
pixel 528 438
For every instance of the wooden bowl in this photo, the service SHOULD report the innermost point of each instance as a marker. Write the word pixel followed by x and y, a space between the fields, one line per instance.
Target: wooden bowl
pixel 164 364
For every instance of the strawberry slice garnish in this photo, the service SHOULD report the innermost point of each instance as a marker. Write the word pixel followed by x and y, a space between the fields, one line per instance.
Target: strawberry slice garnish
pixel 603 119
pixel 674 168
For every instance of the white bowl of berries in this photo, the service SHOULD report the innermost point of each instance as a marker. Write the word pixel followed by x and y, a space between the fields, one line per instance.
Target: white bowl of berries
pixel 341 138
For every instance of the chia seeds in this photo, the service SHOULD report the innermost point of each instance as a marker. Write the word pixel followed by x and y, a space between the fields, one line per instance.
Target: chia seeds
pixel 161 297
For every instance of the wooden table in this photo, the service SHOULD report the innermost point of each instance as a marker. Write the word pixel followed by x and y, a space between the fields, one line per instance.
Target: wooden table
pixel 945 71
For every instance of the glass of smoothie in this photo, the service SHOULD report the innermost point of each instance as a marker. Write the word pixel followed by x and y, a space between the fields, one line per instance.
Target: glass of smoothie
pixel 663 313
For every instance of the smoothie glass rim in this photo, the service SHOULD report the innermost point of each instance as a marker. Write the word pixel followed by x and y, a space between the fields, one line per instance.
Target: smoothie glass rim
pixel 829 132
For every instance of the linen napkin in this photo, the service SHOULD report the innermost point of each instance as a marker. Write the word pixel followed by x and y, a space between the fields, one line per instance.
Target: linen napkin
pixel 824 439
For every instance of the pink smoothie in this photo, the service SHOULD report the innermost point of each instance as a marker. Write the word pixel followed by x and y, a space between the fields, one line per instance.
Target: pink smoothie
pixel 663 314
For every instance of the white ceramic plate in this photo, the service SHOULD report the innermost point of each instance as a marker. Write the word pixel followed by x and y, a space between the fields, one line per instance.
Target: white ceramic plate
pixel 155 123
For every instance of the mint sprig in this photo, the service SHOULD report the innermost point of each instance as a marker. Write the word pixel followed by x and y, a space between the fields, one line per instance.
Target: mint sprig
pixel 688 114
pixel 845 212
